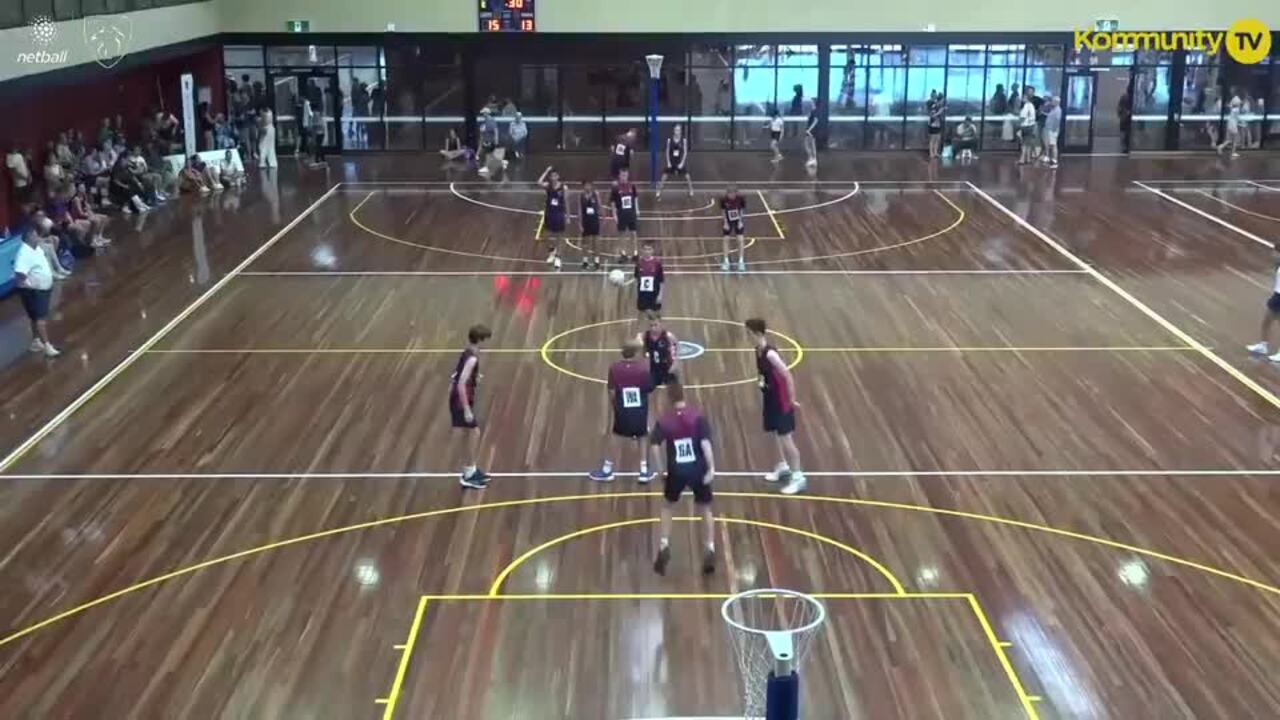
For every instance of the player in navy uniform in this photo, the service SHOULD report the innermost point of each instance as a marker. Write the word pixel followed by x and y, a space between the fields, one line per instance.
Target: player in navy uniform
pixel 778 390
pixel 626 212
pixel 649 280
pixel 589 219
pixel 462 404
pixel 733 210
pixel 1273 309
pixel 620 153
pixel 690 465
pixel 661 348
pixel 629 388
pixel 555 214
pixel 677 160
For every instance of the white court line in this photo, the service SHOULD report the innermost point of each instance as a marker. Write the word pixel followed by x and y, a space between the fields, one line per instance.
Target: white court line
pixel 129 359
pixel 1207 181
pixel 1207 216
pixel 1142 307
pixel 582 474
pixel 1264 187
pixel 482 203
pixel 712 183
pixel 601 273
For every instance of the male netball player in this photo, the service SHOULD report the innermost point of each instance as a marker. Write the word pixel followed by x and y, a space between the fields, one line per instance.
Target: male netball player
pixel 691 465
pixel 677 159
pixel 589 221
pixel 778 388
pixel 620 153
pixel 733 208
pixel 555 214
pixel 629 388
pixel 661 348
pixel 626 213
pixel 1273 310
pixel 462 405
pixel 649 279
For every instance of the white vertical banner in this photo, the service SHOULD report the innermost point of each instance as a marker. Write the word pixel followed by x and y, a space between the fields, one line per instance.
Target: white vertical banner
pixel 189 113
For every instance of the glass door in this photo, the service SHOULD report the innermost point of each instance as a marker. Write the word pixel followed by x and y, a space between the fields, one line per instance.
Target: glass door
pixel 1077 112
pixel 296 93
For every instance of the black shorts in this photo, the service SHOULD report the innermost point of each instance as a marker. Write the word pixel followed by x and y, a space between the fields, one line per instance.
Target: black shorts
pixel 35 302
pixel 778 422
pixel 648 301
pixel 1273 302
pixel 738 228
pixel 458 419
pixel 673 169
pixel 676 483
pixel 630 426
pixel 935 130
pixel 555 223
pixel 660 374
pixel 775 134
pixel 591 230
pixel 627 223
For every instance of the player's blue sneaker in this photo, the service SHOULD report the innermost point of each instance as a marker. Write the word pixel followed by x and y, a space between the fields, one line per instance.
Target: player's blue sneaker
pixel 604 474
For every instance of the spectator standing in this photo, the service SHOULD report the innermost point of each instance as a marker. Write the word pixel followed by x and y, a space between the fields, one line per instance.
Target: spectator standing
pixel 1124 113
pixel 55 176
pixel 936 108
pixel 518 131
pixel 19 165
pixel 1026 128
pixel 1052 123
pixel 267 139
pixel 34 277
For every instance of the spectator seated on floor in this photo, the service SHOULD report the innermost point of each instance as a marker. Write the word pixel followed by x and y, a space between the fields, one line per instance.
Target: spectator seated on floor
pixel 965 139
pixel 126 191
pixel 192 177
pixel 454 149
pixel 82 211
pixel 149 181
pixel 72 235
pixel 231 174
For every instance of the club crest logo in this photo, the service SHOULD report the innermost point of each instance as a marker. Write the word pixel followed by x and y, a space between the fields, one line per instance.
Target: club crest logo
pixel 108 38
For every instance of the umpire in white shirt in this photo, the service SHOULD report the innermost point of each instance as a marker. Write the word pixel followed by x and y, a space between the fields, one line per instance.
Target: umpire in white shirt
pixel 34 278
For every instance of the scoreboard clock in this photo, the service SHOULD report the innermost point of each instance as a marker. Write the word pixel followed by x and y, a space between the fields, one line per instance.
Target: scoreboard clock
pixel 507 16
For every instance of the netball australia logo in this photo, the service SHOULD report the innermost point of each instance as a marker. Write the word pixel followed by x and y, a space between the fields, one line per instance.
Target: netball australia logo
pixel 44 33
pixel 108 38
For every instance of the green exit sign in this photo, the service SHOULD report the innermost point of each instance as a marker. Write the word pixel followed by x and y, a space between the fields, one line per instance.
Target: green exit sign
pixel 298 26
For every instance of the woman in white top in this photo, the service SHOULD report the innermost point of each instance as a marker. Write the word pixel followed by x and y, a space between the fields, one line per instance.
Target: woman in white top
pixel 1027 130
pixel 266 139
pixel 1233 127
pixel 775 133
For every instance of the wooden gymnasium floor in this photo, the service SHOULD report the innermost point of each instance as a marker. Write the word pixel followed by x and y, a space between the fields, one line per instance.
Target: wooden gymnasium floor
pixel 1043 471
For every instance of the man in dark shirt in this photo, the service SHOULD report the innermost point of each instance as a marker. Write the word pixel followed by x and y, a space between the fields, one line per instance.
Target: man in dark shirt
pixel 690 464
pixel 629 387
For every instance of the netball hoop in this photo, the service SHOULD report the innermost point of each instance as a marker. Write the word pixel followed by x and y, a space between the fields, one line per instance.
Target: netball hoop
pixel 772 631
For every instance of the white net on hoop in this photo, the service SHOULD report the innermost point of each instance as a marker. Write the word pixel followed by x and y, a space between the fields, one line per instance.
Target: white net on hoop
pixel 771 629
pixel 655 65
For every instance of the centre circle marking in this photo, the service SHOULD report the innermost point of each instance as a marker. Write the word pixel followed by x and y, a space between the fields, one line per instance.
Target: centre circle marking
pixel 686 350
pixel 547 349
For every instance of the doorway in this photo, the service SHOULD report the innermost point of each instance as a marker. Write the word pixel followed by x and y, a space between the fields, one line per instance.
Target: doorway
pixel 289 90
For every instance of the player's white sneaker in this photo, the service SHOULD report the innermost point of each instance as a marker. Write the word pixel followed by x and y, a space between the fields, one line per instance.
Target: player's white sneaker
pixel 556 263
pixel 724 264
pixel 779 474
pixel 1274 358
pixel 38 346
pixel 1258 348
pixel 742 266
pixel 796 485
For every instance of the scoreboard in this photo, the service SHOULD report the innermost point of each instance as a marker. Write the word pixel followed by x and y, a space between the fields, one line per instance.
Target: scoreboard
pixel 506 16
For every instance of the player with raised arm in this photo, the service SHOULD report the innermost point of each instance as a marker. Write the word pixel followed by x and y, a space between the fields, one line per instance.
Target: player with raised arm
pixel 677 160
pixel 462 405
pixel 778 390
pixel 629 387
pixel 690 465
pixel 555 214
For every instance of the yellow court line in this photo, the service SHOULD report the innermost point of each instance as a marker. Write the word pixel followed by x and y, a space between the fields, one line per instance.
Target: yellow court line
pixel 537 234
pixel 1233 206
pixel 690 596
pixel 249 552
pixel 772 217
pixel 496 587
pixel 547 350
pixel 393 696
pixel 1027 702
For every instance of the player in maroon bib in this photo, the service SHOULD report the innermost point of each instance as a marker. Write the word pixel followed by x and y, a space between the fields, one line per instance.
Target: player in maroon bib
pixel 733 210
pixel 661 348
pixel 690 465
pixel 629 387
pixel 778 391
pixel 462 398
pixel 649 280
pixel 625 199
